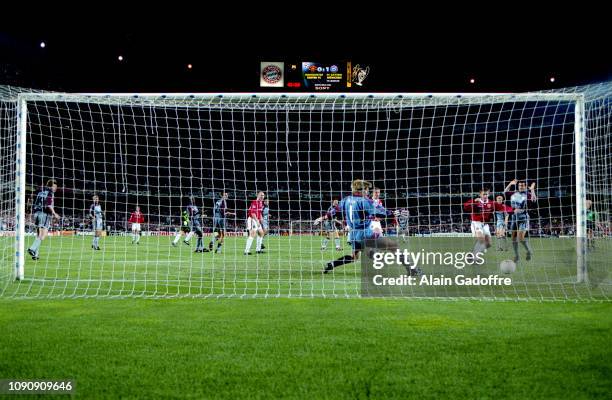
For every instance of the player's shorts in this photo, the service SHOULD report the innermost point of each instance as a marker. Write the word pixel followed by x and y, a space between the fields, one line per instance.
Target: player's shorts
pixel 359 236
pixel 185 228
pixel 218 224
pixel 42 220
pixel 519 222
pixel 328 226
pixel 481 228
pixel 98 225
pixel 136 227
pixel 590 225
pixel 500 224
pixel 253 224
pixel 265 225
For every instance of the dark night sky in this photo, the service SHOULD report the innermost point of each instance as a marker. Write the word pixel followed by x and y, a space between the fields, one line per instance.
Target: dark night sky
pixel 407 52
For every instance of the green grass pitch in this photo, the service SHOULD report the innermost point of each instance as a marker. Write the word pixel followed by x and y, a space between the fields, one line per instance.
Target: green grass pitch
pixel 311 348
pixel 116 346
pixel 290 267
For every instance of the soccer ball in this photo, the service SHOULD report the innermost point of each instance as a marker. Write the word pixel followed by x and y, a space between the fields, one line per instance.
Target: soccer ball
pixel 507 266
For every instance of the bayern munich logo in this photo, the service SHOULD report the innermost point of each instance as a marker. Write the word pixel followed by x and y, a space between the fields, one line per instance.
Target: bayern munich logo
pixel 271 74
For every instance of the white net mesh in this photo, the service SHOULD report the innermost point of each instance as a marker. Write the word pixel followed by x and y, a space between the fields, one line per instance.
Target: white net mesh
pixel 166 154
pixel 8 136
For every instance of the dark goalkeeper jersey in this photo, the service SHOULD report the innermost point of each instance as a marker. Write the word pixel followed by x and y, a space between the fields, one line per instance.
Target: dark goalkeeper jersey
pixel 185 218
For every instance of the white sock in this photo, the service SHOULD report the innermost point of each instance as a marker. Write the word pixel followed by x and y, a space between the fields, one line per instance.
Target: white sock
pixel 259 242
pixel 177 238
pixel 137 237
pixel 189 236
pixel 324 244
pixel 337 240
pixel 248 245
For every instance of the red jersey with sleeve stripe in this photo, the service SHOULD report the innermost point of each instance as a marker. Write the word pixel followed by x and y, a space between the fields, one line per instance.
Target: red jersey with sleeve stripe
pixel 256 209
pixel 136 218
pixel 482 210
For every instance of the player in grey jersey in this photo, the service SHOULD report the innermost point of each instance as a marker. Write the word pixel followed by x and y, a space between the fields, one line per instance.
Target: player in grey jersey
pixel 329 227
pixel 220 215
pixel 97 221
pixel 43 212
pixel 520 201
pixel 402 218
pixel 265 220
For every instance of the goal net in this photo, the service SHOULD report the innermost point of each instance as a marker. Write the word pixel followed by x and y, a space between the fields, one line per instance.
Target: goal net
pixel 176 157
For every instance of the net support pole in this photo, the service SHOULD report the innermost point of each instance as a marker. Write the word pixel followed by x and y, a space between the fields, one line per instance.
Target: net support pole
pixel 581 234
pixel 20 197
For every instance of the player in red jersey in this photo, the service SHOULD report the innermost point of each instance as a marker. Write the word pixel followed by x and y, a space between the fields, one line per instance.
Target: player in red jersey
pixel 255 223
pixel 376 224
pixel 136 218
pixel 501 223
pixel 481 210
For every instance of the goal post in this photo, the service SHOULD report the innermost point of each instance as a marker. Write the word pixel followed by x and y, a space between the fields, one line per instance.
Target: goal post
pixel 20 188
pixel 428 153
pixel 581 231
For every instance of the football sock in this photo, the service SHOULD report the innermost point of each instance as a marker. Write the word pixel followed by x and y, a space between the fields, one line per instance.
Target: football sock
pixel 515 247
pixel 36 245
pixel 342 260
pixel 248 244
pixel 526 245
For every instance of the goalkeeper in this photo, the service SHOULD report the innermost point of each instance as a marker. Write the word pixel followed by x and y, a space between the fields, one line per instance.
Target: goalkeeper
pixel 185 228
pixel 358 211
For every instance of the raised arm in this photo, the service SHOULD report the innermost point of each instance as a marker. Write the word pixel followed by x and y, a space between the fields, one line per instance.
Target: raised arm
pixel 532 192
pixel 512 183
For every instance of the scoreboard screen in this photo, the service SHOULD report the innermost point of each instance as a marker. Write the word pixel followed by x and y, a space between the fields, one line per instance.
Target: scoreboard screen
pixel 318 76
pixel 314 76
